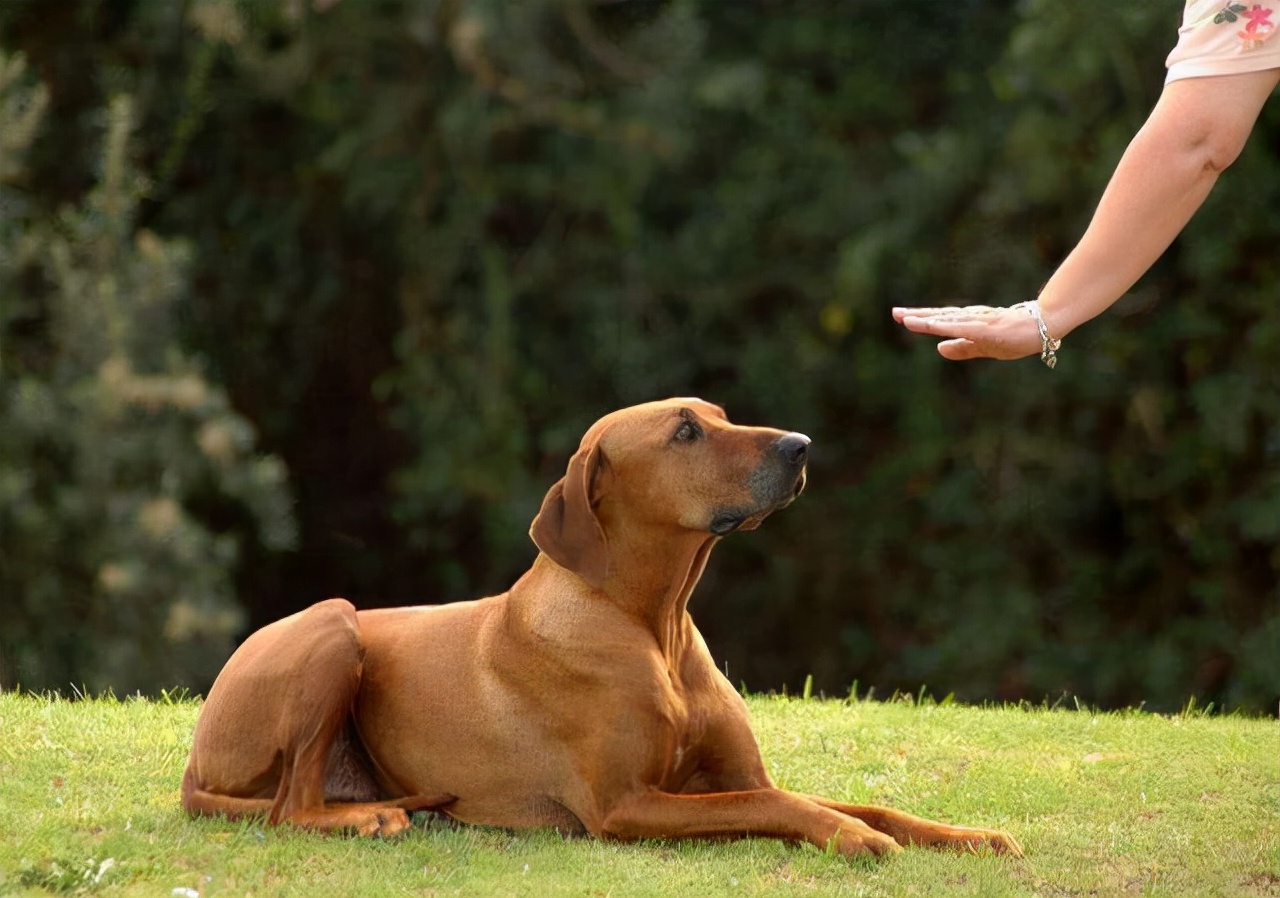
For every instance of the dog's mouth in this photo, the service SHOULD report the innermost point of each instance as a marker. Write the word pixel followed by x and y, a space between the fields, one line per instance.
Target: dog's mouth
pixel 727 520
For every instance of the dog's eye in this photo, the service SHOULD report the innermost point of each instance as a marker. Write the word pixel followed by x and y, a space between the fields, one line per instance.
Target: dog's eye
pixel 687 432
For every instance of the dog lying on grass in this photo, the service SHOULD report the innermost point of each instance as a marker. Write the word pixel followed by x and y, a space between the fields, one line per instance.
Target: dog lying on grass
pixel 582 699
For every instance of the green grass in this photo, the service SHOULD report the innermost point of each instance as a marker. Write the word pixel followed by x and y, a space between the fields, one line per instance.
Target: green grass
pixel 1104 804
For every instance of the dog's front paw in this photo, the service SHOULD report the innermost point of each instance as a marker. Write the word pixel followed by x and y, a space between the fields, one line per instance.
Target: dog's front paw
pixel 975 840
pixel 856 840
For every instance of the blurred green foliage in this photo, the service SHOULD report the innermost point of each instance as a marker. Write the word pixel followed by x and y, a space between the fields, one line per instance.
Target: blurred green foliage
pixel 422 244
pixel 114 442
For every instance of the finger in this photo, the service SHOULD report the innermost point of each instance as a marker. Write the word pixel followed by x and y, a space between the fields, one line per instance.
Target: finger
pixel 900 312
pixel 933 312
pixel 951 312
pixel 946 327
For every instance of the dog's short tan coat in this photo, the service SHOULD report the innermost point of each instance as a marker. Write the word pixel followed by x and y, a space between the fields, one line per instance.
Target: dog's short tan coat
pixel 583 699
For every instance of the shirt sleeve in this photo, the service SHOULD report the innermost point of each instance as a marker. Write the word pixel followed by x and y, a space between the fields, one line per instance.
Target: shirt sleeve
pixel 1226 37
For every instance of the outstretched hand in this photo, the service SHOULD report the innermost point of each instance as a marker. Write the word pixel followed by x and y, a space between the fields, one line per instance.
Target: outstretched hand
pixel 975 332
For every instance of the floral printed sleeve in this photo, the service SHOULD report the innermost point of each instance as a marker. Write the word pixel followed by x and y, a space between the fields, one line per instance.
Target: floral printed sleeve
pixel 1226 37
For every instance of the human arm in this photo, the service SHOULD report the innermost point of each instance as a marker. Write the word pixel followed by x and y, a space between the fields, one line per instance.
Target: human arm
pixel 1197 128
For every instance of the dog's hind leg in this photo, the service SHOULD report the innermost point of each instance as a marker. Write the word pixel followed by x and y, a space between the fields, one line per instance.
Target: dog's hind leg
pixel 263 741
pixel 372 818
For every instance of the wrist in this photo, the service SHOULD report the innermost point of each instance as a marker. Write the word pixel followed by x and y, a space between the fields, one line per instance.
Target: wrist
pixel 1067 301
pixel 1060 317
pixel 1049 342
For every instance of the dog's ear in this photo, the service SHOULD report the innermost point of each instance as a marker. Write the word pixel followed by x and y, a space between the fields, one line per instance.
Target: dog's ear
pixel 566 528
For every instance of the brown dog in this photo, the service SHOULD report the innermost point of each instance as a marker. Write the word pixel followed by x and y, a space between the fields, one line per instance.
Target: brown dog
pixel 582 699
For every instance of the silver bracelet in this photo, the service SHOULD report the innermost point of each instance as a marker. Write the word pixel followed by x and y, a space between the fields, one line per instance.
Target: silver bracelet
pixel 1048 345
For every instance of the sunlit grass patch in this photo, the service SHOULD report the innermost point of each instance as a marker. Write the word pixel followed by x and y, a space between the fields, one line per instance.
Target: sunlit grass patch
pixel 1104 803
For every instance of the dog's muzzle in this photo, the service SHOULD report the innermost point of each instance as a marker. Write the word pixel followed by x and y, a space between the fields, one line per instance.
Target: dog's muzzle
pixel 774 484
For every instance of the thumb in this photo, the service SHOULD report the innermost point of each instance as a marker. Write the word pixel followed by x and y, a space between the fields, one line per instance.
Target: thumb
pixel 959 350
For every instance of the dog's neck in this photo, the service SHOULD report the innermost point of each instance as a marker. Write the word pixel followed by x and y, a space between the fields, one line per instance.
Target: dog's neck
pixel 654 586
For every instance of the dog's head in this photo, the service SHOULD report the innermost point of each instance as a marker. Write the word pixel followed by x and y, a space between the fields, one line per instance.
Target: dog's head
pixel 674 466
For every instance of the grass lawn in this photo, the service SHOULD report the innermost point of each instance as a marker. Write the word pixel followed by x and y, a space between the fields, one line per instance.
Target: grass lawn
pixel 1104 804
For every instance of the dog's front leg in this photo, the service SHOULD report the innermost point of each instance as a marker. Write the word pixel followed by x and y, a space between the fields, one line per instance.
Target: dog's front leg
pixel 907 829
pixel 769 813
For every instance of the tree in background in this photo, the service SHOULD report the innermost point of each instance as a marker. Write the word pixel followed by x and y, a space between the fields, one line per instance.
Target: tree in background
pixel 431 241
pixel 127 482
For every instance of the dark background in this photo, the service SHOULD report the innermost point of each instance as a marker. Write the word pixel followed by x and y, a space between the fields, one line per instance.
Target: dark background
pixel 316 297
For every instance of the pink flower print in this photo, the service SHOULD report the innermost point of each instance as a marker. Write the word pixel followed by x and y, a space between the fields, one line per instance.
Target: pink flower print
pixel 1258 26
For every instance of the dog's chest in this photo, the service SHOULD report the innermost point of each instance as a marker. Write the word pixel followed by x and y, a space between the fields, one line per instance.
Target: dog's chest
pixel 689 717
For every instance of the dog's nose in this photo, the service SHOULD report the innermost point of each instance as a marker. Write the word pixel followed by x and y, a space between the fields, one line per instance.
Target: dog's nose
pixel 794 448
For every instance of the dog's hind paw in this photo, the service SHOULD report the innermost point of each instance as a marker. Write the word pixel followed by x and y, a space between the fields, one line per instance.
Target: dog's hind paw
pixel 385 823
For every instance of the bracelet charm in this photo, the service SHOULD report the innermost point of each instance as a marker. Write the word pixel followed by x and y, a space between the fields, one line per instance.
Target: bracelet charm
pixel 1049 346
